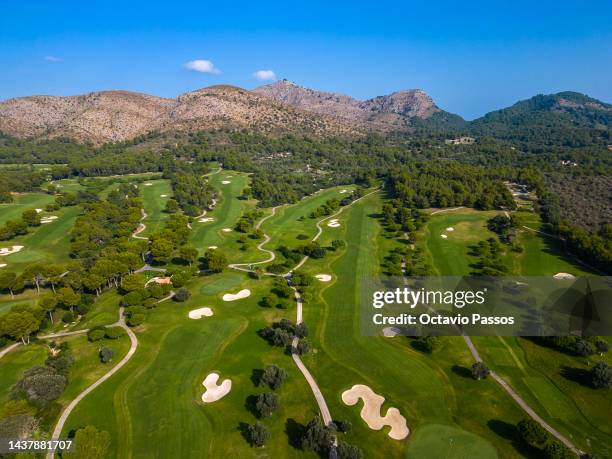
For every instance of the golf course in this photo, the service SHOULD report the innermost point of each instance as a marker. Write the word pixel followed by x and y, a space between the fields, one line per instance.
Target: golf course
pixel 153 405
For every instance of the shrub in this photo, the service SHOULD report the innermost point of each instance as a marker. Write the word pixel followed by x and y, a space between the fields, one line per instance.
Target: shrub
pixel 480 371
pixel 136 319
pixel 601 375
pixel 106 354
pixel 114 332
pixel 182 294
pixel 96 333
pixel 68 317
pixel 132 299
pixel 258 434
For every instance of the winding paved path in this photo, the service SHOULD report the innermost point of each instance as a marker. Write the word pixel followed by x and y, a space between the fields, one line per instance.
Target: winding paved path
pixel 64 416
pixel 272 255
pixel 141 227
pixel 522 403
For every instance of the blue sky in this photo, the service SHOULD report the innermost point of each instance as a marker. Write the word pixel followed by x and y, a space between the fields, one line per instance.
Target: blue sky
pixel 471 57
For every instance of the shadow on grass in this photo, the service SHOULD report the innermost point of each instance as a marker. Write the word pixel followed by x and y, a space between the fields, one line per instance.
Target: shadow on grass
pixel 294 431
pixel 249 404
pixel 577 375
pixel 462 371
pixel 509 432
pixel 256 376
pixel 243 428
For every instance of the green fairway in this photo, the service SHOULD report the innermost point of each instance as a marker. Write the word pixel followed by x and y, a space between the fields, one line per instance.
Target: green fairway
pixel 155 197
pixel 13 364
pixel 22 202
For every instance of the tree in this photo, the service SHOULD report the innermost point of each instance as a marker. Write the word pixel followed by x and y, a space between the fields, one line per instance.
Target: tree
pixel 172 206
pixel 106 354
pixel 19 426
pixel 301 330
pixel 532 433
pixel 40 385
pixel 317 437
pixel 132 282
pixel 68 297
pixel 480 371
pixel 96 333
pixel 266 404
pixel 53 273
pixel 182 294
pixel 34 272
pixel 601 375
pixel 31 218
pixel 258 434
pixel 89 443
pixel 346 451
pixel 8 281
pixel 19 325
pixel 48 304
pixel 303 347
pixel 188 253
pixel 214 261
pixel 344 426
pixel 162 250
pixel 554 449
pixel 273 377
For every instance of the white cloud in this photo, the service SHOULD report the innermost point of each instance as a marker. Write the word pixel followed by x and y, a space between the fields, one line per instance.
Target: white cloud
pixel 202 66
pixel 53 59
pixel 264 75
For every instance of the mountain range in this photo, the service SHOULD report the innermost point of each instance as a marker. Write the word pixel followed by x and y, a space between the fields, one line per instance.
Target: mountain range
pixel 280 107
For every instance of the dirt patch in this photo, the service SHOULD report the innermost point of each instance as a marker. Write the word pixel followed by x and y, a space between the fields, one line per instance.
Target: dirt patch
pixel 370 413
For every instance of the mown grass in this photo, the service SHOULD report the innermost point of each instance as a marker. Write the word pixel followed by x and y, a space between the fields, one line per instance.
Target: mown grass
pixel 155 204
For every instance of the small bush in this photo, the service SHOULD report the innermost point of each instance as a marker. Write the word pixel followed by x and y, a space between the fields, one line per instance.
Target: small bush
pixel 114 332
pixel 96 334
pixel 106 355
pixel 182 294
pixel 68 317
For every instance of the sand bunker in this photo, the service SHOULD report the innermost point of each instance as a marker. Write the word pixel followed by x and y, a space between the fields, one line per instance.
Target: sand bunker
pixel 38 210
pixel 227 230
pixel 48 219
pixel 343 191
pixel 212 247
pixel 213 391
pixel 390 332
pixel 334 223
pixel 2 265
pixel 443 236
pixel 8 250
pixel 225 182
pixel 199 313
pixel 450 228
pixel 237 296
pixel 148 184
pixel 370 413
pixel 164 195
pixel 229 176
pixel 564 276
pixel 323 277
pixel 206 219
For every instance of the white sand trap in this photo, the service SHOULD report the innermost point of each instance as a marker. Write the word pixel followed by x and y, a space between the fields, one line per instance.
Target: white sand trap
pixel 390 332
pixel 226 182
pixel 38 210
pixel 164 195
pixel 148 184
pixel 206 219
pixel 443 236
pixel 48 219
pixel 2 265
pixel 343 191
pixel 227 230
pixel 229 176
pixel 9 250
pixel 323 277
pixel 370 413
pixel 212 247
pixel 334 223
pixel 213 391
pixel 199 313
pixel 564 276
pixel 450 228
pixel 237 296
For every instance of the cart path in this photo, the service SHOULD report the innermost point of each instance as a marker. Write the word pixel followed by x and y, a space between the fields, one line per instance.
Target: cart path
pixel 64 416
pixel 272 255
pixel 521 402
pixel 141 227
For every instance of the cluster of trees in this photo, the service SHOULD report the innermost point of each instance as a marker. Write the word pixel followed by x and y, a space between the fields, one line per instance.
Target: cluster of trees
pixel 213 261
pixel 534 435
pixel 246 223
pixel 320 438
pixel 280 295
pixel 13 228
pixel 506 228
pixel 328 208
pixel 446 184
pixel 490 262
pixel 426 344
pixel 576 345
pixel 282 333
pixel 190 189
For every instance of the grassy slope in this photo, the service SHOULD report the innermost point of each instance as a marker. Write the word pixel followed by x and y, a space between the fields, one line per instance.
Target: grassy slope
pixel 155 204
pixel 21 203
pixel 534 371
